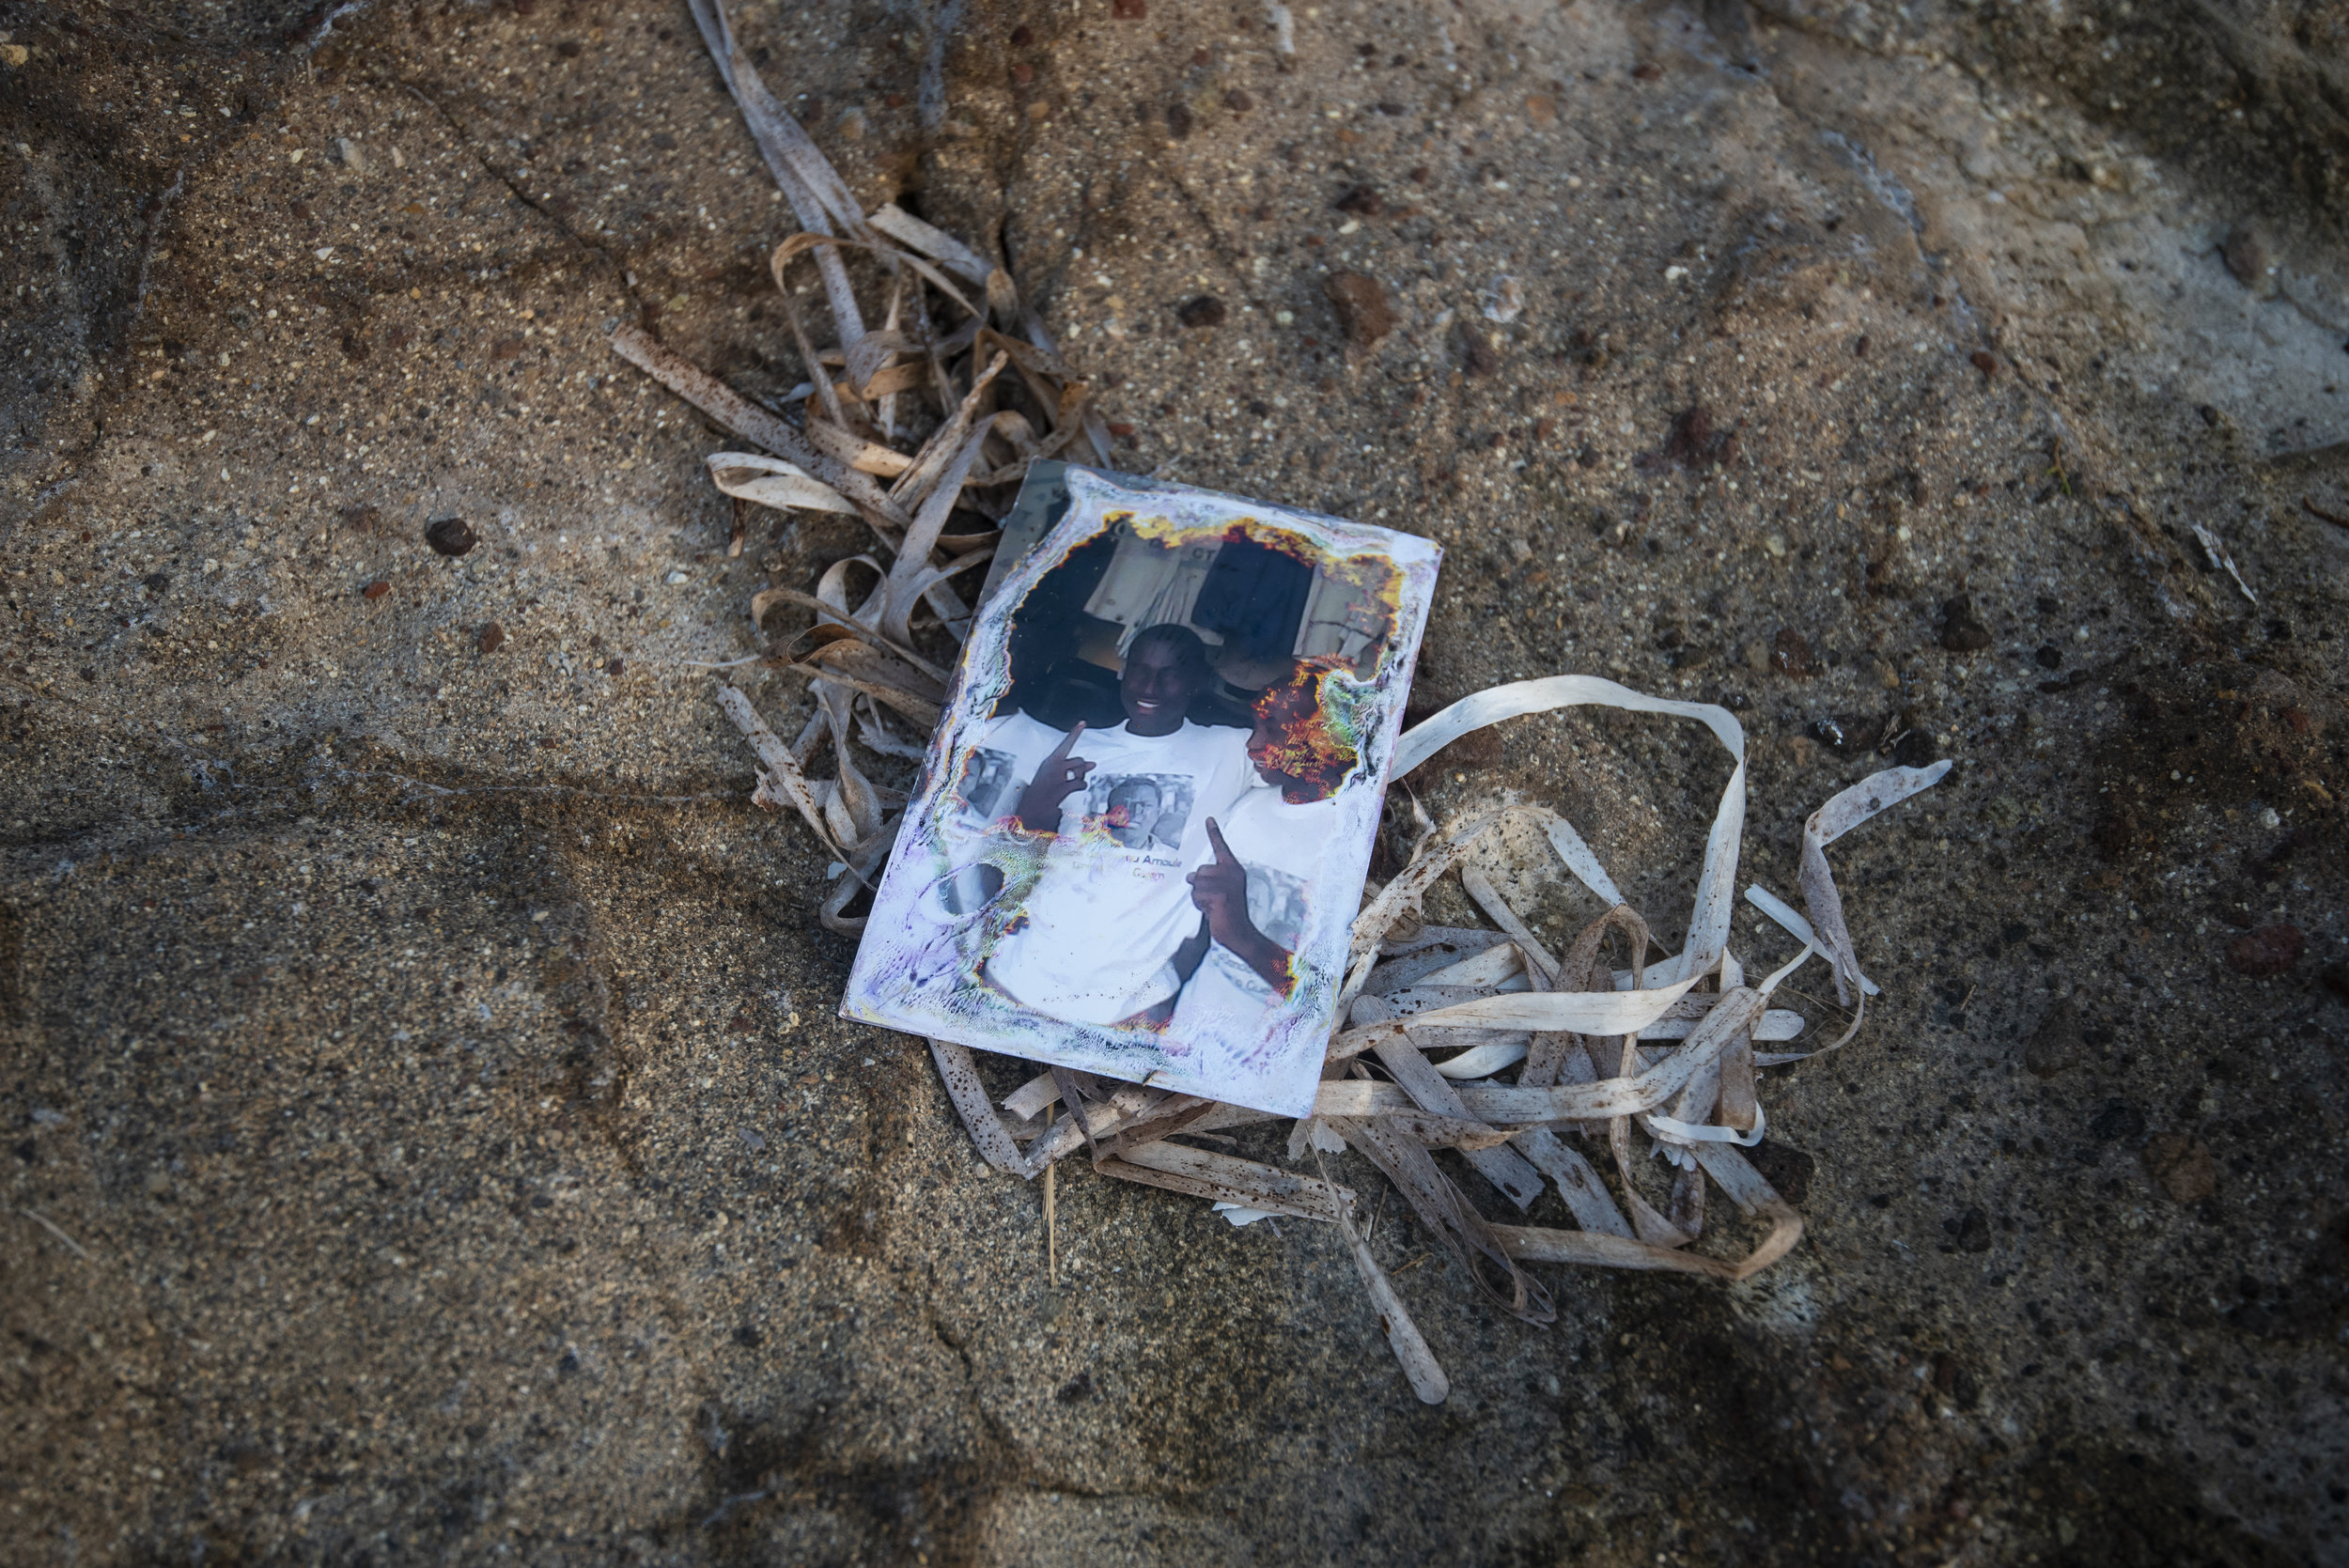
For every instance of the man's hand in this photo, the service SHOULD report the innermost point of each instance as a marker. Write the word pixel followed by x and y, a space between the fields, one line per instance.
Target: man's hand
pixel 1220 889
pixel 1056 779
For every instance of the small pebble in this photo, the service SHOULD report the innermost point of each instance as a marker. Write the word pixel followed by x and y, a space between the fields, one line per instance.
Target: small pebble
pixel 1363 201
pixel 1364 309
pixel 492 639
pixel 2182 1167
pixel 450 537
pixel 1790 655
pixel 1177 120
pixel 2248 256
pixel 2056 1044
pixel 1204 311
pixel 375 590
pixel 1960 632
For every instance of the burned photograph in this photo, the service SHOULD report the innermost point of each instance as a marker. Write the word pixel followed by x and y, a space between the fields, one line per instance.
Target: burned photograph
pixel 1146 816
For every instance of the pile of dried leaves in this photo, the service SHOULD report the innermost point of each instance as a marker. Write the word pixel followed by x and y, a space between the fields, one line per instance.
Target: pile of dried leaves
pixel 1480 1041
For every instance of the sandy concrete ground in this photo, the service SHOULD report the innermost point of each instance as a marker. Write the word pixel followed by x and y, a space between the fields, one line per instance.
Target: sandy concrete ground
pixel 428 1138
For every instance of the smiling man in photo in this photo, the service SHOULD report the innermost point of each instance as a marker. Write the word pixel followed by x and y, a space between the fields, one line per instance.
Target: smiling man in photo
pixel 1127 808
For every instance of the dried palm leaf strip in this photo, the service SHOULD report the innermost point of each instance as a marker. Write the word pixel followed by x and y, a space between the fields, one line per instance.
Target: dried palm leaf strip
pixel 782 769
pixel 1227 1179
pixel 1708 919
pixel 817 196
pixel 961 1074
pixel 746 419
pixel 1431 1091
pixel 1420 1367
pixel 1450 1218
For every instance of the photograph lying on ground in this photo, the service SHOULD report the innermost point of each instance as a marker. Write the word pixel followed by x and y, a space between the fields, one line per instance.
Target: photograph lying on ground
pixel 1146 816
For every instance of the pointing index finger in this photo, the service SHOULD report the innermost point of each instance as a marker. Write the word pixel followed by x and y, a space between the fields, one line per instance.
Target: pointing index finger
pixel 1223 850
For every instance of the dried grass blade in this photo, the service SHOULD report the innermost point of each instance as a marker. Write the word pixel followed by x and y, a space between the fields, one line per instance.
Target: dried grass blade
pixel 857 798
pixel 1578 1183
pixel 1831 821
pixel 817 196
pixel 1434 1092
pixel 878 737
pixel 1708 920
pixel 1540 962
pixel 922 476
pixel 912 706
pixel 781 768
pixel 820 382
pixel 1420 1367
pixel 1002 298
pixel 916 554
pixel 1758 1199
pixel 823 244
pixel 833 615
pixel 930 583
pixel 1228 1179
pixel 1577 856
pixel 754 423
pixel 1169 1116
pixel 1647 1222
pixel 1532 1244
pixel 851 659
pixel 961 1075
pixel 1465 1134
pixel 773 482
pixel 1444 948
pixel 1449 1216
pixel 862 862
pixel 1032 1098
pixel 936 243
pixel 1582 969
pixel 854 451
pixel 1095 1119
pixel 1580 1012
pixel 1481 1060
pixel 1406 890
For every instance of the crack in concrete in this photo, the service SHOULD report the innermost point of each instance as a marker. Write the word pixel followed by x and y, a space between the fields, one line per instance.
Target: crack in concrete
pixel 520 192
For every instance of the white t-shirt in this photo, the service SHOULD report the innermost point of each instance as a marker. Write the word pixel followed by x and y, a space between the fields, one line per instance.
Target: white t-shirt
pixel 1001 760
pixel 1112 901
pixel 1281 845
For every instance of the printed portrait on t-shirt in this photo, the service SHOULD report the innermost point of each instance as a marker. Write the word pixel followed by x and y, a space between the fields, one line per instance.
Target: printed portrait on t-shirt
pixel 1141 811
pixel 1143 823
pixel 989 784
pixel 1276 904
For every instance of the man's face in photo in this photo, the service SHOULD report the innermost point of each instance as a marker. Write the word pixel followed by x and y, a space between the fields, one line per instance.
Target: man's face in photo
pixel 1132 817
pixel 1158 687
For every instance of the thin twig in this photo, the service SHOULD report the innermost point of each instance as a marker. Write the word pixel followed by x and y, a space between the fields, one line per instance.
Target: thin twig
pixel 1052 1225
pixel 49 1225
pixel 2314 511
